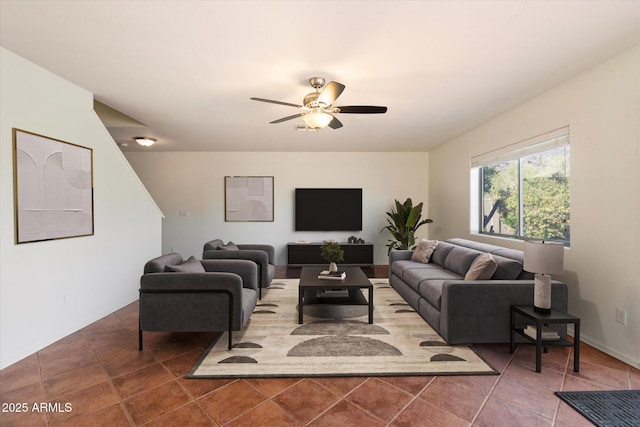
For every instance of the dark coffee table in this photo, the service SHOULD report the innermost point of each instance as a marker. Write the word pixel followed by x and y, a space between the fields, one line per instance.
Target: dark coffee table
pixel 355 281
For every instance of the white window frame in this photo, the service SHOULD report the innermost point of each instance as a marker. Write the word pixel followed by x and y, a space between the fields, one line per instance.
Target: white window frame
pixel 540 143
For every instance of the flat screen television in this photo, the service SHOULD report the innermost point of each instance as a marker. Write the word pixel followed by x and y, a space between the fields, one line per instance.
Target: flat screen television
pixel 328 209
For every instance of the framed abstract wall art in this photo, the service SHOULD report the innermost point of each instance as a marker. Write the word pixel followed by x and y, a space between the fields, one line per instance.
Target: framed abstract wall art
pixel 53 188
pixel 248 198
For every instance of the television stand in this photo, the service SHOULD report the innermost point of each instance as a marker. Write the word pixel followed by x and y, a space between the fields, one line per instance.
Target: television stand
pixel 308 254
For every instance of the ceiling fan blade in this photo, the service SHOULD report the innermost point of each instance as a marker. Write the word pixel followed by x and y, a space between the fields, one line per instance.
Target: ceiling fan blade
pixel 284 119
pixel 362 109
pixel 271 101
pixel 335 123
pixel 330 93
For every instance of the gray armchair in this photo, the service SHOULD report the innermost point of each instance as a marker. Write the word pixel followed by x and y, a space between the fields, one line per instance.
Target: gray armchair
pixel 263 255
pixel 193 295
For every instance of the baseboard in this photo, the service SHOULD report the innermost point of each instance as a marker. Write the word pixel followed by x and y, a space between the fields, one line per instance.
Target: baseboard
pixel 608 350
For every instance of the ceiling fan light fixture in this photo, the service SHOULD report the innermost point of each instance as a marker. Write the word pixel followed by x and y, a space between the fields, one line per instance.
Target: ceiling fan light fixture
pixel 145 141
pixel 317 119
pixel 317 108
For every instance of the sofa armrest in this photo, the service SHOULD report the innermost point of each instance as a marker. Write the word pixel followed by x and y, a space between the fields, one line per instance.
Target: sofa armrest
pixel 399 255
pixel 478 311
pixel 184 282
pixel 270 250
pixel 247 270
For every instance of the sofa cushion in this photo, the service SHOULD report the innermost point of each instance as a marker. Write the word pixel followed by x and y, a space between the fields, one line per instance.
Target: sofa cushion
pixel 460 259
pixel 230 246
pixel 507 268
pixel 192 265
pixel 417 277
pixel 424 250
pixel 440 253
pixel 482 268
pixel 431 291
pixel 472 244
pixel 399 268
pixel 509 253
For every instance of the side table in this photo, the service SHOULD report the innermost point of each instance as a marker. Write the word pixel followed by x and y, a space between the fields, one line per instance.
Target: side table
pixel 543 319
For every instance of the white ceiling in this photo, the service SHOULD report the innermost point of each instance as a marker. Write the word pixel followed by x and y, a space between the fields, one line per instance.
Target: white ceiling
pixel 187 69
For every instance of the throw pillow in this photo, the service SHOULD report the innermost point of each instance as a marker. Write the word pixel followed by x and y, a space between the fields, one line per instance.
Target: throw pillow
pixel 229 247
pixel 482 268
pixel 423 251
pixel 192 265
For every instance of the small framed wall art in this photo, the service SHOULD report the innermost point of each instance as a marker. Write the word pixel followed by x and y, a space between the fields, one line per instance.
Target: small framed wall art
pixel 248 198
pixel 53 188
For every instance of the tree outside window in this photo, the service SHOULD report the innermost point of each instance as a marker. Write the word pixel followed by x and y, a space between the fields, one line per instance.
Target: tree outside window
pixel 528 197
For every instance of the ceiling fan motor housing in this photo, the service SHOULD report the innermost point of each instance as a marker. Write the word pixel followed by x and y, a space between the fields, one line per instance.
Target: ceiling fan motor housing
pixel 316 82
pixel 311 100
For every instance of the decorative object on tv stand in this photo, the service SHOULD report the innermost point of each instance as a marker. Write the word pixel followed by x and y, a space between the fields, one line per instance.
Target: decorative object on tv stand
pixel 332 252
pixel 543 258
pixel 403 222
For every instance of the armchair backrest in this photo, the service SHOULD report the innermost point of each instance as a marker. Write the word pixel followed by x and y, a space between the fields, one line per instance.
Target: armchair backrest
pixel 156 265
pixel 213 245
pixel 246 269
pixel 263 255
pixel 270 250
pixel 218 245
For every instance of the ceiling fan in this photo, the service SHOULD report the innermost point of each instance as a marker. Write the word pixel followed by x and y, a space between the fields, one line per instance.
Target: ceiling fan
pixel 317 107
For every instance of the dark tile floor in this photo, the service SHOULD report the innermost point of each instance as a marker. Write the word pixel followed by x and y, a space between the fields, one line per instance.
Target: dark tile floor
pixel 106 381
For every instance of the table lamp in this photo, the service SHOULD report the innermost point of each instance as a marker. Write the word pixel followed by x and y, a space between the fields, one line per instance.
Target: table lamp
pixel 543 258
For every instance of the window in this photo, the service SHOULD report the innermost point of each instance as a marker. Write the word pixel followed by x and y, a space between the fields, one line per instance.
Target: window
pixel 524 190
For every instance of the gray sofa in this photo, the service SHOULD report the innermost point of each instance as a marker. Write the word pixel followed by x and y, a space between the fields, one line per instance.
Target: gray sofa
pixel 193 295
pixel 467 311
pixel 263 255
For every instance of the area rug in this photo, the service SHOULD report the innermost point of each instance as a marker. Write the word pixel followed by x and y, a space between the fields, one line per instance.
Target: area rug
pixel 335 341
pixel 615 408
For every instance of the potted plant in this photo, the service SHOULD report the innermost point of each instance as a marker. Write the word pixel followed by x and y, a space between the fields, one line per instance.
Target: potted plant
pixel 332 252
pixel 403 222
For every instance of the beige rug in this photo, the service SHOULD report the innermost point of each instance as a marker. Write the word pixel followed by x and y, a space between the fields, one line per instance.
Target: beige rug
pixel 335 341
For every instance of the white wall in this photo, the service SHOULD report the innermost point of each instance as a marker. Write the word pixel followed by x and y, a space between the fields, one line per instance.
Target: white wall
pixel 195 182
pixel 602 108
pixel 53 288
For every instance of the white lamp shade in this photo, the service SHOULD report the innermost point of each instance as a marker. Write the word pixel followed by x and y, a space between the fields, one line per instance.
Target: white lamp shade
pixel 544 257
pixel 317 120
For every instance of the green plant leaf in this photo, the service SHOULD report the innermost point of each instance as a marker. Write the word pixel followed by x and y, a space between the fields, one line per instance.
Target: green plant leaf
pixel 414 215
pixel 402 223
